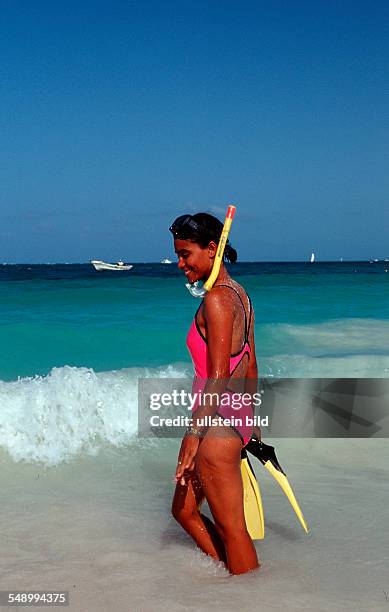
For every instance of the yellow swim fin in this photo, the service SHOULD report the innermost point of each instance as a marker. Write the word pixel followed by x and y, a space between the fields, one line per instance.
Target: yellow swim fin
pixel 252 501
pixel 287 489
pixel 267 457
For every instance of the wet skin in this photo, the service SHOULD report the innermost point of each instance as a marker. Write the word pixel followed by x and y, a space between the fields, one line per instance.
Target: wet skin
pixel 209 467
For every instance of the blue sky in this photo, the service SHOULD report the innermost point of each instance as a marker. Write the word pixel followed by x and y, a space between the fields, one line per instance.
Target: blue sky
pixel 118 116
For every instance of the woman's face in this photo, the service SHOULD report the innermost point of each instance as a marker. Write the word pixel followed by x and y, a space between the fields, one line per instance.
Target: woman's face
pixel 196 261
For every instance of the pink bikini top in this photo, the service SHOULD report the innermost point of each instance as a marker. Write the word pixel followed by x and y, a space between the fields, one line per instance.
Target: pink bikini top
pixel 198 347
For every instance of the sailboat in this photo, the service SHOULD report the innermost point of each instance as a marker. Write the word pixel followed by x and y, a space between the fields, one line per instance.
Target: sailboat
pixel 312 257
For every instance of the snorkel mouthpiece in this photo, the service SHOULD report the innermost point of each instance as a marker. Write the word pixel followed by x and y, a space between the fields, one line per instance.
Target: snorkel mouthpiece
pixel 199 291
pixel 195 289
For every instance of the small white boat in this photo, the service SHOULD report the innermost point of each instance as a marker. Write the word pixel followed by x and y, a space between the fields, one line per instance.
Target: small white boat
pixel 312 257
pixel 166 261
pixel 102 265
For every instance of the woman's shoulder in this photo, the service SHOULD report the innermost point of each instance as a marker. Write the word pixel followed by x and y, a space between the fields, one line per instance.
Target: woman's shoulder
pixel 224 297
pixel 233 294
pixel 219 295
pixel 232 288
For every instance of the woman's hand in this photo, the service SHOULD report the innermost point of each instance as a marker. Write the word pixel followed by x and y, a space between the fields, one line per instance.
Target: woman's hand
pixel 188 450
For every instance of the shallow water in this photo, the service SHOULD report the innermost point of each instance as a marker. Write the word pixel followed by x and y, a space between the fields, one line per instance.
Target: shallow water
pixel 100 527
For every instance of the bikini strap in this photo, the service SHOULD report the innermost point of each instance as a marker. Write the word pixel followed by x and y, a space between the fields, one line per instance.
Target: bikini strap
pixel 251 311
pixel 246 327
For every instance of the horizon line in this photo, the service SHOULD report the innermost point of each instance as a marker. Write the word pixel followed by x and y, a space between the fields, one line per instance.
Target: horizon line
pixel 82 263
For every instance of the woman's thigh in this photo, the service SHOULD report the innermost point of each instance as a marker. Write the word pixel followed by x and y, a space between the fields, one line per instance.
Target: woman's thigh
pixel 218 468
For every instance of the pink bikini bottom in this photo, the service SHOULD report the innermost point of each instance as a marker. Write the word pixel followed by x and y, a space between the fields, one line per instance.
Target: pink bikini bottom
pixel 239 415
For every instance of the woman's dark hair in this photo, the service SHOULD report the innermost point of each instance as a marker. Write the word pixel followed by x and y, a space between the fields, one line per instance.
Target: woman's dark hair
pixel 202 228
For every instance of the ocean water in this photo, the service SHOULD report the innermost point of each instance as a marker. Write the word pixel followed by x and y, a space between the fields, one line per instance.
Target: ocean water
pixel 86 503
pixel 75 341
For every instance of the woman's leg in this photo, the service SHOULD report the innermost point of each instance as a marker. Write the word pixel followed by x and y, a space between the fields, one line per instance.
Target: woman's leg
pixel 185 510
pixel 218 468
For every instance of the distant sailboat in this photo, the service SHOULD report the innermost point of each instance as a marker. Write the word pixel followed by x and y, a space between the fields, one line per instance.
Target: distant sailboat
pixel 312 257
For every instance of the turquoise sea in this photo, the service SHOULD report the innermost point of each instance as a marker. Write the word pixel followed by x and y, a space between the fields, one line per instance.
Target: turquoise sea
pixel 86 501
pixel 74 341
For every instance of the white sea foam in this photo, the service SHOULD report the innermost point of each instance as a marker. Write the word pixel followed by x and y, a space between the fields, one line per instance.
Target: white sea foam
pixel 303 366
pixel 345 335
pixel 71 410
pixel 347 348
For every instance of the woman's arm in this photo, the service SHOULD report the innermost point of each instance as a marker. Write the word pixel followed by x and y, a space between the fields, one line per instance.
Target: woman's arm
pixel 219 318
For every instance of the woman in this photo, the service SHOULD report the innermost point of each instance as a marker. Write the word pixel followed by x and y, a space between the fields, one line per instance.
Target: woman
pixel 221 342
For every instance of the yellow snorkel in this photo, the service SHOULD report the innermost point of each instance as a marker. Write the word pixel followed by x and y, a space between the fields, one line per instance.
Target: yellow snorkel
pixel 194 289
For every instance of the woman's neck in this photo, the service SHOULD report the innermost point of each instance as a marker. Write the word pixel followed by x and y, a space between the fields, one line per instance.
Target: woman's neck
pixel 223 276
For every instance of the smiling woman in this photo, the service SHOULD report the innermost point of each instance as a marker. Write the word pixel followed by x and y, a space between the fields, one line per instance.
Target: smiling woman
pixel 221 344
pixel 199 229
